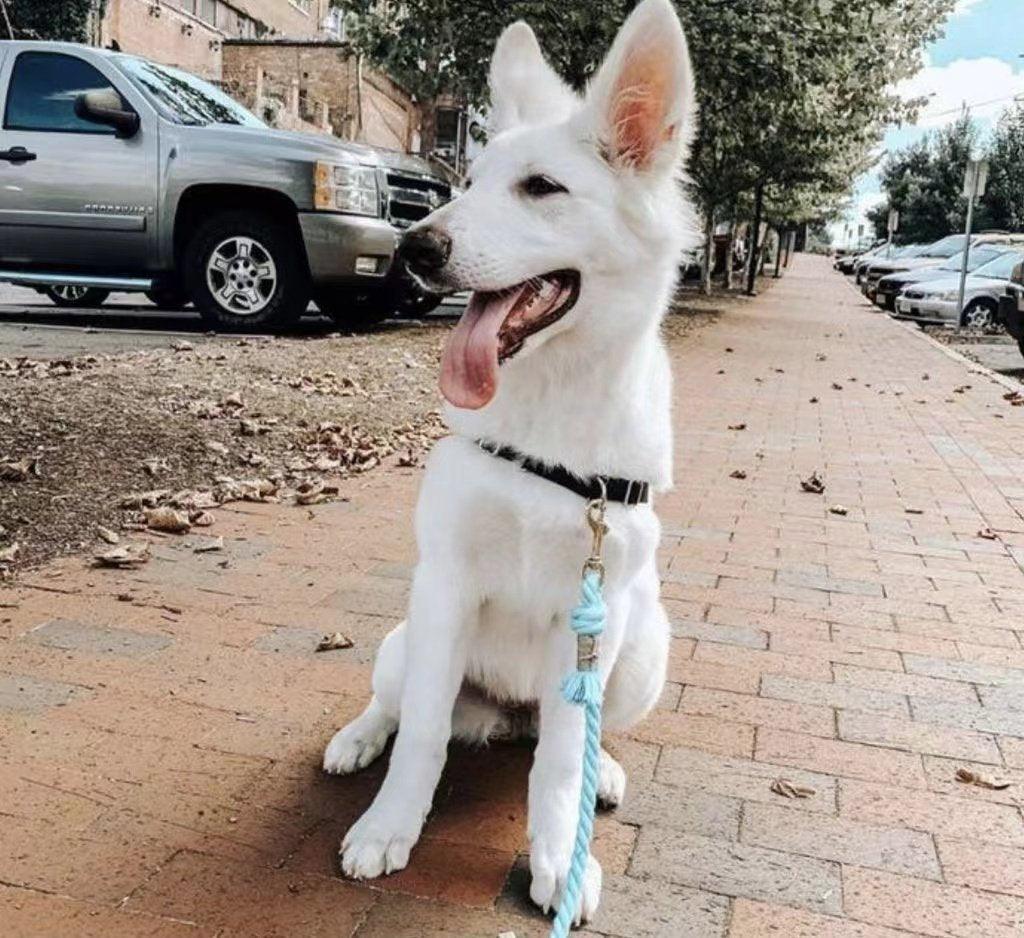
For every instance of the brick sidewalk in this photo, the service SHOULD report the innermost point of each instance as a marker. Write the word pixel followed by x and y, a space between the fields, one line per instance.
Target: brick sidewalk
pixel 159 752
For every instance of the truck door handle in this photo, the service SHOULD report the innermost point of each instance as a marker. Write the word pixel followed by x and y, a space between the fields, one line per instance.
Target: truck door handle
pixel 17 155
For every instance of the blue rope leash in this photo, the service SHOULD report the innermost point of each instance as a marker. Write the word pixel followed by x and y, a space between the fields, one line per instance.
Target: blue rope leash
pixel 583 687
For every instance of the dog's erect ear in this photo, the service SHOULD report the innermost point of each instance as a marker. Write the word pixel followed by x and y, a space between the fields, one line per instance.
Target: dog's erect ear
pixel 641 101
pixel 524 88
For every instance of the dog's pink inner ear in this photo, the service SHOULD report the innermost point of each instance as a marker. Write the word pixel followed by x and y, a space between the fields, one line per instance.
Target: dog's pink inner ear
pixel 640 102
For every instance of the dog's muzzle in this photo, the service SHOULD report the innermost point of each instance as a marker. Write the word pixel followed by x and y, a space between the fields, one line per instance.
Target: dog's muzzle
pixel 425 250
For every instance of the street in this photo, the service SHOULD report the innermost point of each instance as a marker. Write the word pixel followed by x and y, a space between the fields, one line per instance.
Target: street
pixel 839 751
pixel 31 325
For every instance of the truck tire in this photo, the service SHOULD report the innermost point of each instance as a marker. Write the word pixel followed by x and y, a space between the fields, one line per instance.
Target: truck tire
pixel 245 270
pixel 73 297
pixel 356 308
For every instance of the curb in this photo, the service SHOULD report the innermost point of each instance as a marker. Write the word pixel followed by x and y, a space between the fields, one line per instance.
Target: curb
pixel 1009 383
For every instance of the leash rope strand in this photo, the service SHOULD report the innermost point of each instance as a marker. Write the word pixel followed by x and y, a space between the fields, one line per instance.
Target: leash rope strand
pixel 583 687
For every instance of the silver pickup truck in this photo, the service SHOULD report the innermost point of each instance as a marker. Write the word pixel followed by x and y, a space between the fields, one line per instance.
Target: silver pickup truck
pixel 117 173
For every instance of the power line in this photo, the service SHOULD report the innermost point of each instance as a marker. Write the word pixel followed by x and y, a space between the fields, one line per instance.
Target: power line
pixel 969 104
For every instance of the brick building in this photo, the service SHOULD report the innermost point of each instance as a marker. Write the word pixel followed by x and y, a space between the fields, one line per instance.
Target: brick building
pixel 295 84
pixel 191 33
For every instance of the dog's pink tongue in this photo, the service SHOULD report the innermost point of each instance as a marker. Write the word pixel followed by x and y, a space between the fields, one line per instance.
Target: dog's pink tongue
pixel 469 369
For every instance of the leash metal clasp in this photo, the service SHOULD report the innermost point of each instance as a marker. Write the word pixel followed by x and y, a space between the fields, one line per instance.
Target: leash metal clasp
pixel 596 509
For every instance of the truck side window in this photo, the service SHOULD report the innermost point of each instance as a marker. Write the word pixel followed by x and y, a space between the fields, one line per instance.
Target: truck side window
pixel 43 89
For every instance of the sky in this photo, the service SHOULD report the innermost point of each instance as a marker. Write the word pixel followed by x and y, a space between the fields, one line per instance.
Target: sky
pixel 980 61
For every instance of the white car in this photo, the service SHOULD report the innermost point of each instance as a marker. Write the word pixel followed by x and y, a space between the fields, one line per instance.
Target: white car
pixel 935 302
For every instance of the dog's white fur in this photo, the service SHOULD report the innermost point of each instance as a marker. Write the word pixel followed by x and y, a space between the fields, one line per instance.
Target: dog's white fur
pixel 501 550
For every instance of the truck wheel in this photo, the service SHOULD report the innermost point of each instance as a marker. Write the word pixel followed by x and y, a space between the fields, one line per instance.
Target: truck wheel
pixel 244 271
pixel 355 307
pixel 76 297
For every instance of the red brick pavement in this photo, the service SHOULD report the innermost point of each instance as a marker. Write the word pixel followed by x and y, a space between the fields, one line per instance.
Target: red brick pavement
pixel 159 771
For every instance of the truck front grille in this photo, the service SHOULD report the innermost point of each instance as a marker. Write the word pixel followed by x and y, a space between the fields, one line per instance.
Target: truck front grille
pixel 411 198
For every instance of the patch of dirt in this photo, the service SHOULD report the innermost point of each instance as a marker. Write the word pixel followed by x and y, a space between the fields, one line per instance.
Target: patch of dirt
pixel 994 335
pixel 110 437
pixel 293 411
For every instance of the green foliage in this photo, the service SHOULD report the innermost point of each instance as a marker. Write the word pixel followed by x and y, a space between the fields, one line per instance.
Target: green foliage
pixel 793 94
pixel 924 181
pixel 50 19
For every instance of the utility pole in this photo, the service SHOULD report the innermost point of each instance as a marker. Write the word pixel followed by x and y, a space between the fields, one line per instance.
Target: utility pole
pixel 974 187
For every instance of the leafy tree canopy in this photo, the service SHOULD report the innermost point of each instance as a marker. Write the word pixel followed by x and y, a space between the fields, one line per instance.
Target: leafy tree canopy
pixel 66 20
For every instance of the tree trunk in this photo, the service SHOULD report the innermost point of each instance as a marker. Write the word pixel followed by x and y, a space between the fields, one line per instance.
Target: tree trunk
pixel 754 261
pixel 778 252
pixel 709 253
pixel 728 251
pixel 428 127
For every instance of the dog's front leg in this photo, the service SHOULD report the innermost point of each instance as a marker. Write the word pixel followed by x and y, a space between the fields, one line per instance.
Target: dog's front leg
pixel 440 617
pixel 555 782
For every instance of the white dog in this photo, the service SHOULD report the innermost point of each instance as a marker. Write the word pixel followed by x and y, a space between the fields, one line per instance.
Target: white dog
pixel 570 237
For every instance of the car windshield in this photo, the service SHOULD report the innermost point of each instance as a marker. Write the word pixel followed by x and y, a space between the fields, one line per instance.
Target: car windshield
pixel 979 255
pixel 1001 267
pixel 947 247
pixel 183 97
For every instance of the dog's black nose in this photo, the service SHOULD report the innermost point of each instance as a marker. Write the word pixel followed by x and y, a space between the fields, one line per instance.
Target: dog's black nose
pixel 425 250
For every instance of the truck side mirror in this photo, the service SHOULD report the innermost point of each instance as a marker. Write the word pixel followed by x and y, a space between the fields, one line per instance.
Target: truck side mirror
pixel 105 106
pixel 1017 274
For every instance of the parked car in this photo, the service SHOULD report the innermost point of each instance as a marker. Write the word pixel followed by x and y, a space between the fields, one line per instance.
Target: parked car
pixel 890 285
pixel 1011 306
pixel 846 259
pixel 118 173
pixel 918 256
pixel 937 301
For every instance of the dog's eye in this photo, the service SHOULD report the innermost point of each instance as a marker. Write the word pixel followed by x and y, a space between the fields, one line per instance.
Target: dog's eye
pixel 538 186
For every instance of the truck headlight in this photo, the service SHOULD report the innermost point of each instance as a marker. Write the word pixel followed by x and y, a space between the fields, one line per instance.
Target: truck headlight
pixel 346 188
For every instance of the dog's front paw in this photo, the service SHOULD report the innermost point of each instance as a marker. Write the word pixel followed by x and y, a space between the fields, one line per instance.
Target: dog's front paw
pixel 548 884
pixel 378 843
pixel 355 747
pixel 611 785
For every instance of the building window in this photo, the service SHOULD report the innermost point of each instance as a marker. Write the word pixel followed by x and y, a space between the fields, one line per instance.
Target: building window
pixel 207 11
pixel 334 24
pixel 303 5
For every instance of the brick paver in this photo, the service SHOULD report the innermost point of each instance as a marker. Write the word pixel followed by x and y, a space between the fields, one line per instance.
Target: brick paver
pixel 161 729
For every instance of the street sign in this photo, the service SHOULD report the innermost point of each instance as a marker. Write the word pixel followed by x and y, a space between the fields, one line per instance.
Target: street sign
pixel 975 178
pixel 894 221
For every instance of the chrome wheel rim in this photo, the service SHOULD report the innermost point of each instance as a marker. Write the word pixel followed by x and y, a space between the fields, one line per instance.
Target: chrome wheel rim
pixel 978 317
pixel 241 275
pixel 67 291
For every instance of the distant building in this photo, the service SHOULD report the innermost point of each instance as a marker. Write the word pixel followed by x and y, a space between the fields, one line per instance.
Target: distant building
pixel 316 85
pixel 191 33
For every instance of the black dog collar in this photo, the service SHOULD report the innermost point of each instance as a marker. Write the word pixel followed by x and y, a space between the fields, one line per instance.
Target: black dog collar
pixel 624 491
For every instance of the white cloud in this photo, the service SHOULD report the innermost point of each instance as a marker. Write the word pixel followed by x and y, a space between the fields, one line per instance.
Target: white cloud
pixel 985 84
pixel 963 7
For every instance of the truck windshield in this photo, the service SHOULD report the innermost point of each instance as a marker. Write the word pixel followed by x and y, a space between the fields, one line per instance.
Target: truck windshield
pixel 185 98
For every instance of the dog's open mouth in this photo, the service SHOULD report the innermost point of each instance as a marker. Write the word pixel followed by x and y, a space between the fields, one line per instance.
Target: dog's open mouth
pixel 495 326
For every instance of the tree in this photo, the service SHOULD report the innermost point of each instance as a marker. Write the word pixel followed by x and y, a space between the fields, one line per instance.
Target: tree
pixel 66 20
pixel 924 181
pixel 1004 196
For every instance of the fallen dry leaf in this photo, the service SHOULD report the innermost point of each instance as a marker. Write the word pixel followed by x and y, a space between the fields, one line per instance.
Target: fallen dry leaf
pixel 167 519
pixel 233 400
pixel 788 789
pixel 814 400
pixel 335 641
pixel 836 386
pixel 970 777
pixel 201 519
pixel 839 510
pixel 150 499
pixel 19 470
pixel 737 426
pixel 821 356
pixel 209 544
pixel 988 534
pixel 738 474
pixel 105 534
pixel 910 510
pixel 813 484
pixel 155 465
pixel 215 446
pixel 7 554
pixel 123 557
pixel 182 345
